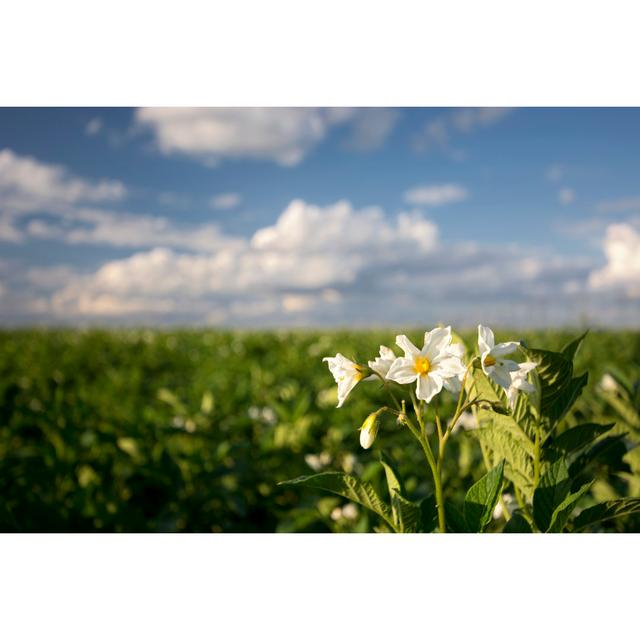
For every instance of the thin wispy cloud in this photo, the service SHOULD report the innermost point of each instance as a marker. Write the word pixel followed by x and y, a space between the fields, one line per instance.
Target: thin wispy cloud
pixel 435 195
pixel 443 132
pixel 225 201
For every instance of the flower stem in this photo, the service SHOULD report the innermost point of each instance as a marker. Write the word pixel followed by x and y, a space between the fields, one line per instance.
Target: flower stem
pixel 433 465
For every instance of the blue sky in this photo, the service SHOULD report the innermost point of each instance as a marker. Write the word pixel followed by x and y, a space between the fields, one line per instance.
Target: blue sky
pixel 304 217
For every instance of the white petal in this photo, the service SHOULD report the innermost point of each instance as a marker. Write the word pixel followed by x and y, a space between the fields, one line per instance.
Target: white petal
pixel 436 341
pixel 428 386
pixel 402 371
pixel 500 376
pixel 387 353
pixel 528 366
pixel 345 385
pixel 448 366
pixel 453 384
pixel 407 346
pixel 485 339
pixel 457 350
pixel 504 349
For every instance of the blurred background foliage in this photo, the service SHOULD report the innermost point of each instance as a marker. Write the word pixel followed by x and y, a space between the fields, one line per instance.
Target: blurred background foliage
pixel 145 430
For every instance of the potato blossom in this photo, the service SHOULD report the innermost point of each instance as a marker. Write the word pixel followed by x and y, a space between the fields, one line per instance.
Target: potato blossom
pixel 519 382
pixel 430 367
pixel 494 364
pixel 382 364
pixel 346 373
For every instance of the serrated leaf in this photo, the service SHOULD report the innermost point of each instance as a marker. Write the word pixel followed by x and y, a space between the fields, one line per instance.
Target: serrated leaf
pixel 550 492
pixel 517 524
pixel 580 436
pixel 481 499
pixel 606 511
pixel 565 508
pixel 348 487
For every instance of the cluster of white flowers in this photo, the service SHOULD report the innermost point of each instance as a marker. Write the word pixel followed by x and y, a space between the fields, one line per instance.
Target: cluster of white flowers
pixel 439 364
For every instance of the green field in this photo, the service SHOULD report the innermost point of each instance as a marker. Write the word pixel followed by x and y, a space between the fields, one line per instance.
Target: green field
pixel 192 430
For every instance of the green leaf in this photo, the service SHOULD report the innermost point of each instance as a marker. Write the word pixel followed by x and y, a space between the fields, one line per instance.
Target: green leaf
pixel 393 484
pixel 348 487
pixel 428 514
pixel 609 451
pixel 558 388
pixel 409 515
pixel 517 524
pixel 606 511
pixel 504 438
pixel 570 349
pixel 565 508
pixel 580 436
pixel 481 499
pixel 455 519
pixel 551 491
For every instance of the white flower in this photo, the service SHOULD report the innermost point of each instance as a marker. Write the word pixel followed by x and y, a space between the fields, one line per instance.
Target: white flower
pixel 494 364
pixel 346 373
pixel 430 366
pixel 454 384
pixel 519 382
pixel 382 364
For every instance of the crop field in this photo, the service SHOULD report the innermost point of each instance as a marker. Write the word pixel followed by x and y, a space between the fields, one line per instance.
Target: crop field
pixel 145 430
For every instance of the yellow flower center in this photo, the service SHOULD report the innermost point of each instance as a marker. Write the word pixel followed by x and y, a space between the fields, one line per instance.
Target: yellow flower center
pixel 489 361
pixel 422 365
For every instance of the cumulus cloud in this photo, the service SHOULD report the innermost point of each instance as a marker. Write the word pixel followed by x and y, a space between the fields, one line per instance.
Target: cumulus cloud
pixel 435 195
pixel 622 271
pixel 225 201
pixel 439 133
pixel 328 265
pixel 283 135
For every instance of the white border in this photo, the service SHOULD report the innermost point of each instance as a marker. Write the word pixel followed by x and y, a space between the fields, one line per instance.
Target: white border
pixel 335 52
pixel 318 586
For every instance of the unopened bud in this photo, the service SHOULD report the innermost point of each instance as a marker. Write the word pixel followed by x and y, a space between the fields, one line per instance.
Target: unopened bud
pixel 369 429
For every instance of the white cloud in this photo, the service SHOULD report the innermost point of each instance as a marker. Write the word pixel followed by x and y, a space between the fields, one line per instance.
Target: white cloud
pixel 28 185
pixel 622 271
pixel 435 195
pixel 283 135
pixel 620 205
pixel 332 265
pixel 566 195
pixel 308 254
pixel 225 201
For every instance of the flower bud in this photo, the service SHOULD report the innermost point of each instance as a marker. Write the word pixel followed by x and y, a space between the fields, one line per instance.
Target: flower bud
pixel 369 430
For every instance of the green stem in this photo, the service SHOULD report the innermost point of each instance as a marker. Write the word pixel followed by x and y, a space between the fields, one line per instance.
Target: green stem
pixel 434 466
